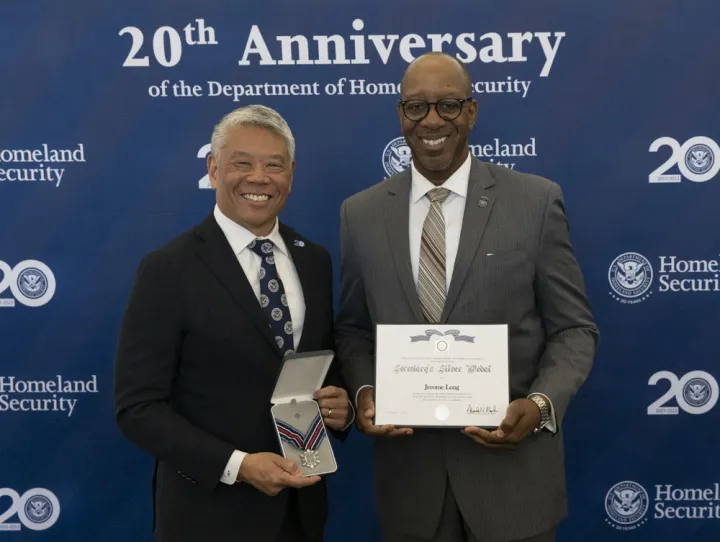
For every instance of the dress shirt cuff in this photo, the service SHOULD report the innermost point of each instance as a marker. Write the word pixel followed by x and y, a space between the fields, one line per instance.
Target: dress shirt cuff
pixel 232 468
pixel 358 392
pixel 551 425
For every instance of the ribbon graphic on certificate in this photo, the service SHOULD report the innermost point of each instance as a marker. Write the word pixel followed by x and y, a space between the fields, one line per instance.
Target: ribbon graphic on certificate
pixel 430 332
pixel 308 442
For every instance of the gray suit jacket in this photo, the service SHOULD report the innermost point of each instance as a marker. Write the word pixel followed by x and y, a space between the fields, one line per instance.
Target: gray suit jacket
pixel 515 265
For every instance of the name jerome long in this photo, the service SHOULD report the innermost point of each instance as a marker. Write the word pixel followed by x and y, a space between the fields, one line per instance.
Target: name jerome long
pixel 454 387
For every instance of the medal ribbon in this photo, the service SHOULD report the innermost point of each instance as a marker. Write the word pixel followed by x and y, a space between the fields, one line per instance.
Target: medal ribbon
pixel 302 441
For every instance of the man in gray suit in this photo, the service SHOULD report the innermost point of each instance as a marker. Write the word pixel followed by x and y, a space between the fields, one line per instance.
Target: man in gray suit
pixel 453 240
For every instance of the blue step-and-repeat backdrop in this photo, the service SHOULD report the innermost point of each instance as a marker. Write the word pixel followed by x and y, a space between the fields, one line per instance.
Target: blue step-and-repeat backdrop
pixel 106 110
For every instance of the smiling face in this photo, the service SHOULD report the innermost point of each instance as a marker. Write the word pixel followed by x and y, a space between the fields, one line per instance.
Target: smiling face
pixel 252 177
pixel 439 146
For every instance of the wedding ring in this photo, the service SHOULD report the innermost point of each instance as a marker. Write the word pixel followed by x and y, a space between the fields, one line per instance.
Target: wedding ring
pixel 329 412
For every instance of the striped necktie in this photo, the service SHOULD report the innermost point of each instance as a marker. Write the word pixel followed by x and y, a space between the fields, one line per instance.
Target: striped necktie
pixel 431 276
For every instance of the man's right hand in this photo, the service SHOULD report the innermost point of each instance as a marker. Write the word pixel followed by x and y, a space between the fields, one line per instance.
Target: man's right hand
pixel 364 418
pixel 271 473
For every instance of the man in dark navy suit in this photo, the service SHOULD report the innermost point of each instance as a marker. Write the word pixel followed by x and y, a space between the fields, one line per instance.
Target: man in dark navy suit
pixel 209 320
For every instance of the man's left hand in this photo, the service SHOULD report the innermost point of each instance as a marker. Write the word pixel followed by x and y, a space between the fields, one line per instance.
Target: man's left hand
pixel 334 405
pixel 522 417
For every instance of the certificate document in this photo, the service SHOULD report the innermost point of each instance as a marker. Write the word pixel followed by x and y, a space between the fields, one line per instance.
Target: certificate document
pixel 441 376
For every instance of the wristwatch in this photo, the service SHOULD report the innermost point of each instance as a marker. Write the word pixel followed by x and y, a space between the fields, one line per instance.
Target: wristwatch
pixel 544 407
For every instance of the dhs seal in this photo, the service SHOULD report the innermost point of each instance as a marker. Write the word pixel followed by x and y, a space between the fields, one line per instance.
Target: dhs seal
pixel 630 276
pixel 38 509
pixel 697 392
pixel 396 156
pixel 32 282
pixel 699 159
pixel 626 505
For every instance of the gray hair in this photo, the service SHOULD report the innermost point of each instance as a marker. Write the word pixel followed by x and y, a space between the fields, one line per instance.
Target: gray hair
pixel 253 115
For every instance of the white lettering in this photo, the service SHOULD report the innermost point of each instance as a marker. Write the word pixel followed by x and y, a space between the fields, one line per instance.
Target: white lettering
pixel 411 41
pixel 214 89
pixel 256 45
pixel 359 42
pixel 492 52
pixel 549 49
pixel 490 47
pixel 662 493
pixel 463 43
pixel 60 173
pixel 671 263
pixel 437 41
pixel 689 285
pixel 359 86
pixel 324 53
pixel 288 59
pixel 382 49
pixel 517 45
pixel 7 384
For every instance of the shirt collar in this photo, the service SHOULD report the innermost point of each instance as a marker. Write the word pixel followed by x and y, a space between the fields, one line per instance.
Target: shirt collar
pixel 240 237
pixel 457 183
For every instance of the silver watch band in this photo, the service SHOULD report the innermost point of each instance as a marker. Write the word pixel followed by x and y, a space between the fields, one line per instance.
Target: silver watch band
pixel 544 407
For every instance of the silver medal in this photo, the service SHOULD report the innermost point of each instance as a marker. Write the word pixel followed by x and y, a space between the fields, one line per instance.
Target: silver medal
pixel 310 459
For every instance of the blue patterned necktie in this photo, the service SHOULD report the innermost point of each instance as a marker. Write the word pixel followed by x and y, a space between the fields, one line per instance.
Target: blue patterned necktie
pixel 273 300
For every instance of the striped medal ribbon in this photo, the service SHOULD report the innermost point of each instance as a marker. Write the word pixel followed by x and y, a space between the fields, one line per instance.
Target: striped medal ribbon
pixel 308 442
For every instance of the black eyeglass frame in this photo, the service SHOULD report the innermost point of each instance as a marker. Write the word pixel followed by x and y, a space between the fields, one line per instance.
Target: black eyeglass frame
pixel 461 101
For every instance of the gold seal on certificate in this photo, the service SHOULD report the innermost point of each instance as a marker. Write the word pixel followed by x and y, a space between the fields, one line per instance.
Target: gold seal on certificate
pixel 441 376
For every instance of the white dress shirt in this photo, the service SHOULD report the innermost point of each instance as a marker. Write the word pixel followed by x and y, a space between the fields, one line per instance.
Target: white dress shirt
pixel 239 239
pixel 453 209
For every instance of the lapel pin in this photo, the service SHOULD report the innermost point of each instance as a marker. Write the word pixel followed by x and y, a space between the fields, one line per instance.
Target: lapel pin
pixel 483 201
pixel 299 243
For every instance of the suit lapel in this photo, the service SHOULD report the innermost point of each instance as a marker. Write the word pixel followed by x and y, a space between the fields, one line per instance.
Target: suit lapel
pixel 397 219
pixel 478 206
pixel 306 269
pixel 217 254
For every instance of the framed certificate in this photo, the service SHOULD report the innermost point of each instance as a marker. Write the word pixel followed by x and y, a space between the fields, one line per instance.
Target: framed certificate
pixel 441 376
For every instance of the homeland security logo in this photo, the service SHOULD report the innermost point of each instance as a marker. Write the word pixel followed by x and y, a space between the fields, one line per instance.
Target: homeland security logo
pixel 56 395
pixel 31 282
pixel 699 159
pixel 696 160
pixel 37 509
pixel 630 276
pixel 697 392
pixel 396 156
pixel 626 505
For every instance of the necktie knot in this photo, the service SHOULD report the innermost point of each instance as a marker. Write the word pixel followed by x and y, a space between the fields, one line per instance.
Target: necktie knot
pixel 438 195
pixel 262 247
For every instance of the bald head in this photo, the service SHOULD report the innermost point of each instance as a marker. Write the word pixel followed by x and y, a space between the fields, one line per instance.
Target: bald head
pixel 441 63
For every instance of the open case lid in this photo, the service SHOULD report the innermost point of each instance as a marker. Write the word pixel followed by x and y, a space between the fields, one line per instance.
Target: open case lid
pixel 300 375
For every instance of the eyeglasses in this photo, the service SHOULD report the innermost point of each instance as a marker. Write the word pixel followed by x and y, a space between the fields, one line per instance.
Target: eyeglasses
pixel 447 108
